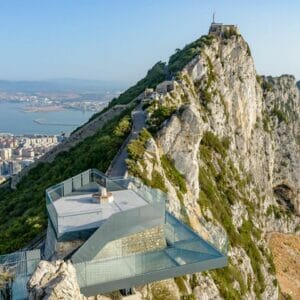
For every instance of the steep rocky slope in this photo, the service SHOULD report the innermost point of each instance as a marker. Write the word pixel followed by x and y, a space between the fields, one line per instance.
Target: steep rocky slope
pixel 227 151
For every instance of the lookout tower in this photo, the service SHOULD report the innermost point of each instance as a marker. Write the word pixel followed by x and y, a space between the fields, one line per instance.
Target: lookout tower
pixel 219 29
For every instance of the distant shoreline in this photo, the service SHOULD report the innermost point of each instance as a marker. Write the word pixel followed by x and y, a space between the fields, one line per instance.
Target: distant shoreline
pixel 15 120
pixel 43 109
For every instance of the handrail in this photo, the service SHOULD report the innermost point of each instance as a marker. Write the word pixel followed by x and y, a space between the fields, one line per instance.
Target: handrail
pixel 94 272
pixel 121 223
pixel 76 183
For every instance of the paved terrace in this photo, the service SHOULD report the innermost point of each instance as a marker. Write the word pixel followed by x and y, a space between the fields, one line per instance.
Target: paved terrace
pixel 79 212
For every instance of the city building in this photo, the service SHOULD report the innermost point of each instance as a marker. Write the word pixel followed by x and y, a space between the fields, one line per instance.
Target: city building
pixel 5 153
pixel 17 152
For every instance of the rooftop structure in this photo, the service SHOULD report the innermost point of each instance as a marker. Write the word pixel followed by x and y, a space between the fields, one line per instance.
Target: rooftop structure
pixel 219 29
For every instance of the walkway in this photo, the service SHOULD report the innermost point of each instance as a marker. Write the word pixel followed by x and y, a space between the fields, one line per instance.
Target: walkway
pixel 118 166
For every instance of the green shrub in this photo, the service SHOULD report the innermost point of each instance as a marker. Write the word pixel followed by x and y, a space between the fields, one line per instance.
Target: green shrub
pixel 182 57
pixel 266 123
pixel 281 116
pixel 211 140
pixel 158 116
pixel 181 285
pixel 266 85
pixel 124 127
pixel 136 150
pixel 172 174
pixel 157 181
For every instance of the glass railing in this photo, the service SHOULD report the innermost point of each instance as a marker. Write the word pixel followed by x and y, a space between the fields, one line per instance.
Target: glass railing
pixel 17 268
pixel 80 184
pixel 214 234
pixel 149 194
pixel 184 248
pixel 86 183
pixel 21 263
pixel 119 225
pixel 89 182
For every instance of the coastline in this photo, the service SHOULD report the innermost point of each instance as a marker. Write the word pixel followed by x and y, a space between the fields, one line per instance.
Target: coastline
pixel 43 109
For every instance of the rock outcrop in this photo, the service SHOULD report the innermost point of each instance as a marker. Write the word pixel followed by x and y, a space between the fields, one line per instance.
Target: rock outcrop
pixel 54 280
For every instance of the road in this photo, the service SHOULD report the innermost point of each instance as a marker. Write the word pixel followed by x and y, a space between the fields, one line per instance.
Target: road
pixel 118 166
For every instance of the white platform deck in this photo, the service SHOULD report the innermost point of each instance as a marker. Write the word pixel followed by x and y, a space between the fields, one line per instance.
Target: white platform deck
pixel 78 212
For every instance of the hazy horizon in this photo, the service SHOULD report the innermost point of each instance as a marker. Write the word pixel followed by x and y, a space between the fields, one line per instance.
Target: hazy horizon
pixel 119 42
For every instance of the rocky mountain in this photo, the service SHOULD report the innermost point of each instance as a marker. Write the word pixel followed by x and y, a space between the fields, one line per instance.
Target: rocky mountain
pixel 228 151
pixel 223 142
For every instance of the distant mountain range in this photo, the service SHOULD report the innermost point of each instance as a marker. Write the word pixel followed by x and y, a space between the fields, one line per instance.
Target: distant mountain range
pixel 62 85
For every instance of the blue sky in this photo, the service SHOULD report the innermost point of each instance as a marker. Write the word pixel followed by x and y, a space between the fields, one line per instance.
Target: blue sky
pixel 121 39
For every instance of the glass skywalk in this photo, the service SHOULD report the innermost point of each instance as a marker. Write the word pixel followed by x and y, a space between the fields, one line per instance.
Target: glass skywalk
pixel 186 253
pixel 135 210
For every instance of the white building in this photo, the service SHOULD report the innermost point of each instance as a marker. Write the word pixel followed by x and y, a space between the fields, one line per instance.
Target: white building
pixel 5 153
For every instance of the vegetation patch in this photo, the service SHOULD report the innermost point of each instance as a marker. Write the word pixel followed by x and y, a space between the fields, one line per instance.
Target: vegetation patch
pixel 182 57
pixel 266 122
pixel 161 290
pixel 207 92
pixel 136 148
pixel 230 32
pixel 136 164
pixel 281 116
pixel 278 212
pixel 266 85
pixel 157 181
pixel 173 175
pixel 221 186
pixel 225 277
pixel 158 116
pixel 210 140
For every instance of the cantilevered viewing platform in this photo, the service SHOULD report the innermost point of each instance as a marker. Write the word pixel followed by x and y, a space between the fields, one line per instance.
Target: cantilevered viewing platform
pixel 118 234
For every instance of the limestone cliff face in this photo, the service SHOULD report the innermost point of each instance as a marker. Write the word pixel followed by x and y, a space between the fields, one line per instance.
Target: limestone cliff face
pixel 234 137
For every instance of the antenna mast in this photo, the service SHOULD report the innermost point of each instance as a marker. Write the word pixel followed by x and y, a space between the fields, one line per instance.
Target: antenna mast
pixel 214 13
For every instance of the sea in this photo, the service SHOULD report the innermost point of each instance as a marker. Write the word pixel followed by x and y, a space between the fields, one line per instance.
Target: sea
pixel 14 120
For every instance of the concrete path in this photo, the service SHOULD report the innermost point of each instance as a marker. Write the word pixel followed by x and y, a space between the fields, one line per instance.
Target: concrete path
pixel 118 166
